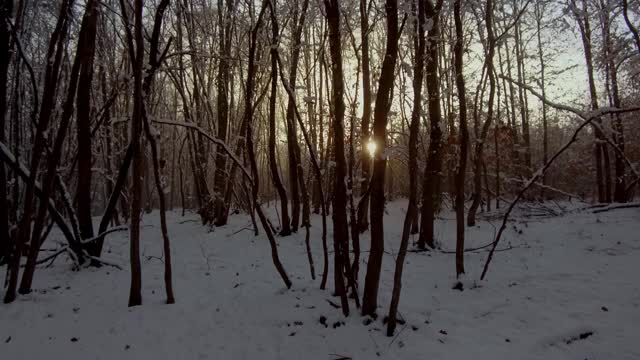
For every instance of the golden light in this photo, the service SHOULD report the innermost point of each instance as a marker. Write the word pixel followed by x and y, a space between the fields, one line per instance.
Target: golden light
pixel 371 147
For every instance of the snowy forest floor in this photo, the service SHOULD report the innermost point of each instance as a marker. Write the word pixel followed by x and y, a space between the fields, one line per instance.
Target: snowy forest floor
pixel 566 288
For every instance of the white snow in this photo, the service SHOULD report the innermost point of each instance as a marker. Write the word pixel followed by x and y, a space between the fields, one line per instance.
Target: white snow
pixel 563 278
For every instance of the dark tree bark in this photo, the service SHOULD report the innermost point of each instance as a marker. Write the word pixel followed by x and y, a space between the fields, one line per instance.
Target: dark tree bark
pixel 83 121
pixel 632 28
pixel 600 150
pixel 363 210
pixel 340 225
pixel 293 148
pixel 109 212
pixel 6 12
pixel 458 55
pixel 380 117
pixel 432 177
pixel 154 64
pixel 619 193
pixel 219 183
pixel 522 97
pixel 57 218
pixel 83 58
pixel 248 110
pixel 54 58
pixel 512 100
pixel 318 175
pixel 285 230
pixel 539 12
pixel 135 295
pixel 425 8
pixel 481 137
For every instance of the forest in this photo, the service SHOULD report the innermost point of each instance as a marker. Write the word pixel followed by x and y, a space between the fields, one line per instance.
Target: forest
pixel 322 179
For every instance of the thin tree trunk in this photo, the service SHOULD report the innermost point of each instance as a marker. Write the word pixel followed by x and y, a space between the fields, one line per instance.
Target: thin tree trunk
pixel 293 148
pixel 632 28
pixel 285 230
pixel 83 121
pixel 619 194
pixel 250 147
pixel 340 225
pixel 83 58
pixel 135 295
pixel 363 211
pixel 380 118
pixel 6 12
pixel 54 57
pixel 425 8
pixel 601 155
pixel 539 9
pixel 220 211
pixel 464 137
pixel 524 117
pixel 481 137
pixel 432 178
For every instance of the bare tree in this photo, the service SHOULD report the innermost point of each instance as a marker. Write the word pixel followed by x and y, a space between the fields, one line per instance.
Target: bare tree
pixel 6 12
pixel 458 54
pixel 380 118
pixel 432 178
pixel 285 229
pixel 340 226
pixel 601 154
pixel 425 8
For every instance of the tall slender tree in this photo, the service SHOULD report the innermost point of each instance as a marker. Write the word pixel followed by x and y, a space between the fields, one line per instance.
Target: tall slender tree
pixel 432 178
pixel 380 119
pixel 6 13
pixel 285 230
pixel 340 225
pixel 458 54
pixel 363 209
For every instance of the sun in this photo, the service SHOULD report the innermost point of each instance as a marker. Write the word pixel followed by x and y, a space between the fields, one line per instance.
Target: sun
pixel 372 147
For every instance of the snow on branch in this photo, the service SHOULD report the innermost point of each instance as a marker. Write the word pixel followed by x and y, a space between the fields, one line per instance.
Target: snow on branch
pixel 212 139
pixel 24 173
pixel 585 115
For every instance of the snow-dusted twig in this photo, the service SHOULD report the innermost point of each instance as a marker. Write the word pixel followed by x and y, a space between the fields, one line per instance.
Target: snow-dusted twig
pixel 212 139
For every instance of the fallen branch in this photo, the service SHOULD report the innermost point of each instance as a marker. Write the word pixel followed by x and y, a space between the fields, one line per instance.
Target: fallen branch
pixel 52 256
pixel 589 118
pixel 586 115
pixel 103 261
pixel 616 206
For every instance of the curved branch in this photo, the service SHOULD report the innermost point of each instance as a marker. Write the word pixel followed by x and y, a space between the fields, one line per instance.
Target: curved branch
pixel 589 117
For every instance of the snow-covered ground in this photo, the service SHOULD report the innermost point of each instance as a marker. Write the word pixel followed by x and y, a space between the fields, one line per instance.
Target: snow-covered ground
pixel 565 288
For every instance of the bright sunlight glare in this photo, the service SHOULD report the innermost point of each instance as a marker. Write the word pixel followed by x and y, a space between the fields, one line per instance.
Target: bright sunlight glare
pixel 371 147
